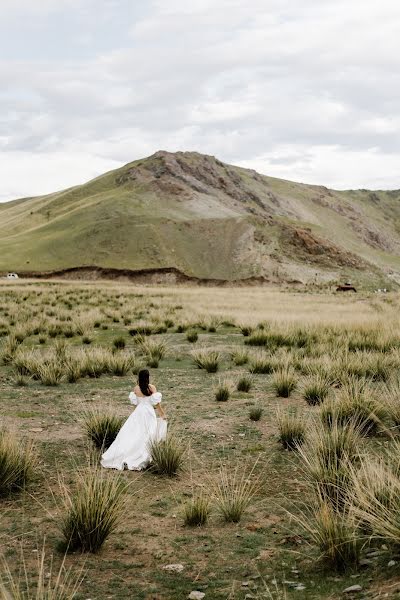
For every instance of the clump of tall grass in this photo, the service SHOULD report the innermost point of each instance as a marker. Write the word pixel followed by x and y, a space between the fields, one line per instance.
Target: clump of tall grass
pixel 119 343
pixel 222 391
pixel 291 428
pixel 284 381
pixel 121 363
pixel 240 357
pixel 9 348
pixel 153 351
pixel 44 584
pixel 244 384
pixel 255 413
pixel 328 456
pixel 354 404
pixel 391 401
pixel 167 455
pixel 262 364
pixel 192 336
pixel 316 389
pixel 17 462
pixel 206 359
pixel 246 330
pixel 101 427
pixel 335 533
pixel 92 510
pixel 197 511
pixel 50 372
pixel 235 491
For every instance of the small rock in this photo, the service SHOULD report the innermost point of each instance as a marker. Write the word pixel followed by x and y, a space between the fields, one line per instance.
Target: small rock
pixel 366 562
pixel 290 583
pixel 36 429
pixel 249 597
pixel 300 587
pixel 245 584
pixel 175 568
pixel 196 595
pixel 391 563
pixel 352 588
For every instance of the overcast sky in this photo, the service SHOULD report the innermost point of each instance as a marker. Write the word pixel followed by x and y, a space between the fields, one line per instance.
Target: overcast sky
pixel 307 90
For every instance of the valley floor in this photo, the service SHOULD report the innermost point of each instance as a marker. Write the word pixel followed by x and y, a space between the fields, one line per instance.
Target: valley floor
pixel 267 554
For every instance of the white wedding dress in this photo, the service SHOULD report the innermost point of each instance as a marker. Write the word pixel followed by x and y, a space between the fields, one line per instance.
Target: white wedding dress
pixel 131 446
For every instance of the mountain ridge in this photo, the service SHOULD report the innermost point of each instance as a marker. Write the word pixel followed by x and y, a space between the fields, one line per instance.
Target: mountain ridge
pixel 210 221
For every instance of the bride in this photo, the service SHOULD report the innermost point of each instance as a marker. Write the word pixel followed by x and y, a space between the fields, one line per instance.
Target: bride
pixel 131 446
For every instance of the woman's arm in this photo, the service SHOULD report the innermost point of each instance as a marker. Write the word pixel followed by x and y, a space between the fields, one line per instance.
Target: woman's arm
pixel 160 411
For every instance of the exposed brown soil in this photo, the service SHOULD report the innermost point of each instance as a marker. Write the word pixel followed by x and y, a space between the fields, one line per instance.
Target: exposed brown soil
pixel 316 249
pixel 167 275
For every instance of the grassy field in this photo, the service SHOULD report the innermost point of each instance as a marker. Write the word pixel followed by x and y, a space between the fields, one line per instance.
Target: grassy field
pixel 323 358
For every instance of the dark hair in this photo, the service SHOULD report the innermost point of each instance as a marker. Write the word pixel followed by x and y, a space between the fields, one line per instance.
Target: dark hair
pixel 144 382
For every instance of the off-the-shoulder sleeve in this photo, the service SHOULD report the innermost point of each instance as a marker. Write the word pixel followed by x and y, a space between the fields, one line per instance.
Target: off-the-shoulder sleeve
pixel 133 398
pixel 156 398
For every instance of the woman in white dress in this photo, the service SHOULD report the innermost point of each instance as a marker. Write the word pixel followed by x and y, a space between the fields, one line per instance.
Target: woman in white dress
pixel 130 448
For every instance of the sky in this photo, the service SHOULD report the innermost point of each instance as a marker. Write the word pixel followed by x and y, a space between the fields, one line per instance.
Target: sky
pixel 306 90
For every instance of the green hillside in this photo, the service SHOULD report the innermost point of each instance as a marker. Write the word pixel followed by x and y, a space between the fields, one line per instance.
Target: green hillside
pixel 208 220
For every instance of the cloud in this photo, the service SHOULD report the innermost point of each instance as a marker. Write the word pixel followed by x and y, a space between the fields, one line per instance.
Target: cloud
pixel 306 91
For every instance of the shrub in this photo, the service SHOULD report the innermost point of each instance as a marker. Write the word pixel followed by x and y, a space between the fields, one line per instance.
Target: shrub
pixel 292 430
pixel 42 339
pixel 235 491
pixel 17 461
pixel 167 456
pixel 101 427
pixel 244 384
pixel 87 340
pixel 192 336
pixel 284 382
pixel 197 511
pixel 92 510
pixel 240 357
pixel 316 389
pixel 206 359
pixel 119 343
pixel 255 413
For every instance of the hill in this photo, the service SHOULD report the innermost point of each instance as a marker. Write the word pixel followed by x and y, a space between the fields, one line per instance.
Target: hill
pixel 190 215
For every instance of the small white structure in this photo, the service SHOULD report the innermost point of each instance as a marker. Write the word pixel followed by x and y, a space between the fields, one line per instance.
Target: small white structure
pixel 12 276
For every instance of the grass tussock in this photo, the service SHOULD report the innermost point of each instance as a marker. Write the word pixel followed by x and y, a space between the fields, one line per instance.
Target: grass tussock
pixel 92 509
pixel 43 582
pixel 206 359
pixel 17 462
pixel 284 382
pixel 244 384
pixel 234 491
pixel 101 427
pixel 197 511
pixel 316 389
pixel 335 534
pixel 167 456
pixel 291 429
pixel 328 456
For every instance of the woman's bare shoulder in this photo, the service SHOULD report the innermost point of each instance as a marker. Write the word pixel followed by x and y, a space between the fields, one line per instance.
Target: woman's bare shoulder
pixel 136 389
pixel 152 388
